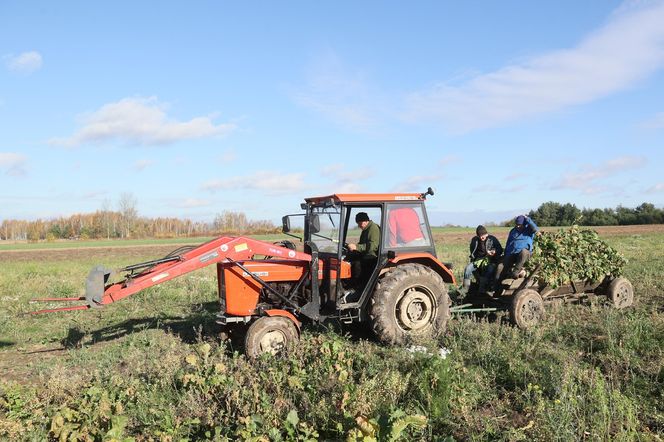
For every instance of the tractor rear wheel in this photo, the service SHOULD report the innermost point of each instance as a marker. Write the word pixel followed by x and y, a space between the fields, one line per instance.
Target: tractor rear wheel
pixel 527 308
pixel 620 293
pixel 270 334
pixel 409 301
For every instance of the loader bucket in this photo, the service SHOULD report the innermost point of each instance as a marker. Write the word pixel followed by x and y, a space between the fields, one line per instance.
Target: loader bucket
pixel 95 284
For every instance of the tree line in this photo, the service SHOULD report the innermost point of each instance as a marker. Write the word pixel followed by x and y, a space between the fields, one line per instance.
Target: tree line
pixel 115 225
pixel 556 214
pixel 126 223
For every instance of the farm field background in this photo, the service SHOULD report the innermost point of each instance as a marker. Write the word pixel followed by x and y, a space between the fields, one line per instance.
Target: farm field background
pixel 151 367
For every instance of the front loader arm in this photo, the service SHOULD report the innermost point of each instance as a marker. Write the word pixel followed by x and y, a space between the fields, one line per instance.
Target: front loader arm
pixel 222 249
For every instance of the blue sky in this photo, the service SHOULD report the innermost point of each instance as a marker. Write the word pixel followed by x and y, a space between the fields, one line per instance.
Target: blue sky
pixel 200 107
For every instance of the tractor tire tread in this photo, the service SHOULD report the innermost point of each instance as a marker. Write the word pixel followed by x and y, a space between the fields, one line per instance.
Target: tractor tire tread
pixel 390 286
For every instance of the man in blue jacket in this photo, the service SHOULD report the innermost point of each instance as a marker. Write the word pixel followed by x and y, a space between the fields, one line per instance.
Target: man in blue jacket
pixel 518 249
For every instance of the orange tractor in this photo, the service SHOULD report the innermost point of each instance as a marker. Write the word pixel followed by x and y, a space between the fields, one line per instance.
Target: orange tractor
pixel 274 288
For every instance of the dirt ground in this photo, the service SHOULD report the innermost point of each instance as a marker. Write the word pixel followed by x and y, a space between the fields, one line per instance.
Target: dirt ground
pixel 82 253
pixel 158 251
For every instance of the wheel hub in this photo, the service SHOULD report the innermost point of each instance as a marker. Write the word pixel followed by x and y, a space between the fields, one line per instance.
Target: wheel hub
pixel 415 309
pixel 530 311
pixel 272 341
pixel 622 295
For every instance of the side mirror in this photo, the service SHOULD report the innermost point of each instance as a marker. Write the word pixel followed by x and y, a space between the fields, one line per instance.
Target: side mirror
pixel 428 192
pixel 314 224
pixel 285 224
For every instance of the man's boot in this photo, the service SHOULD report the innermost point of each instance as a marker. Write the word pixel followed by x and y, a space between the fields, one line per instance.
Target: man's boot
pixel 483 285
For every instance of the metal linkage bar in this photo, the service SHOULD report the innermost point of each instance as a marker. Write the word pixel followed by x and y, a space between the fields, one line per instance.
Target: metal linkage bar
pixel 223 248
pixel 142 265
pixel 463 309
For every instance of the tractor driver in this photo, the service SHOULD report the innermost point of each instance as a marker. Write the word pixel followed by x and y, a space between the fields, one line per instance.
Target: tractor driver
pixel 363 256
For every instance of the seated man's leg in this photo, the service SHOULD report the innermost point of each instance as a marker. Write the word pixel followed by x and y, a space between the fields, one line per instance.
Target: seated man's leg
pixel 505 267
pixel 490 271
pixel 520 261
pixel 355 267
pixel 499 271
pixel 361 270
pixel 355 272
pixel 367 264
pixel 468 275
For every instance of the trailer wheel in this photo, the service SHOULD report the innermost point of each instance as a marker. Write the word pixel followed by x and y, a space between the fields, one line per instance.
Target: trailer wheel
pixel 620 293
pixel 527 308
pixel 409 301
pixel 270 334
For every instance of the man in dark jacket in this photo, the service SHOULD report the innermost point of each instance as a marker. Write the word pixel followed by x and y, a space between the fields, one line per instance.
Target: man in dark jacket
pixel 485 251
pixel 518 249
pixel 364 255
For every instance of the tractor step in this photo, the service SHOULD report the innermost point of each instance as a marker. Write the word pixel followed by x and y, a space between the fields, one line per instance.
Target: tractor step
pixel 347 317
pixel 222 319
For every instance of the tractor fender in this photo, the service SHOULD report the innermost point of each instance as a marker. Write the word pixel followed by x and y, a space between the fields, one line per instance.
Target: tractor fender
pixel 285 314
pixel 425 259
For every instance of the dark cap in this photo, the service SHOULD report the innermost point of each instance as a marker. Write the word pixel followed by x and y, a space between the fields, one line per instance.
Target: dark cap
pixel 481 230
pixel 361 216
pixel 521 219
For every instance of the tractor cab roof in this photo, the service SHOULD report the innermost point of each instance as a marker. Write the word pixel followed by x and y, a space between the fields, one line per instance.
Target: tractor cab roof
pixel 365 198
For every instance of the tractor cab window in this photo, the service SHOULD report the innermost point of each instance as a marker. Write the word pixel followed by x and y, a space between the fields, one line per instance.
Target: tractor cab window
pixel 327 238
pixel 406 227
pixel 353 232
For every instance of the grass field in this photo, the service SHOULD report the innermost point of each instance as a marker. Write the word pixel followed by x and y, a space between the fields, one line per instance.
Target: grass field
pixel 151 368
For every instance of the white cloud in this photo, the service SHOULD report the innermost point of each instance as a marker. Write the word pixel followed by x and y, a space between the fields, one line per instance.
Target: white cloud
pixel 13 163
pixel 586 179
pixel 25 63
pixel 139 121
pixel 191 203
pixel 342 95
pixel 140 165
pixel 626 49
pixel 657 188
pixel 269 182
pixel 346 187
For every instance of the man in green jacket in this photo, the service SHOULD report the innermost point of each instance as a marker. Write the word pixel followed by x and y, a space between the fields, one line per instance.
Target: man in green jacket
pixel 364 255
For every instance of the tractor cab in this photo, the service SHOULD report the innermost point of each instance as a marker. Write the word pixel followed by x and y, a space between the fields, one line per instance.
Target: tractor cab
pixel 329 226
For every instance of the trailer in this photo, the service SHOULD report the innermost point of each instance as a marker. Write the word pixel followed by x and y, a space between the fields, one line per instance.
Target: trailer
pixel 527 298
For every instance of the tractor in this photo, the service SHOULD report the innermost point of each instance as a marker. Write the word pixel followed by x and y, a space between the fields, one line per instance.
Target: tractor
pixel 271 289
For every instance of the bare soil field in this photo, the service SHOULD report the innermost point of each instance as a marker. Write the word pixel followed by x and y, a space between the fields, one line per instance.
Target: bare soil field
pixel 85 253
pixel 157 250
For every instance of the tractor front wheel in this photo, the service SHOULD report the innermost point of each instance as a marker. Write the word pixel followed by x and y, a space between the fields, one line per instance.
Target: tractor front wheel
pixel 527 308
pixel 620 293
pixel 270 334
pixel 409 301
